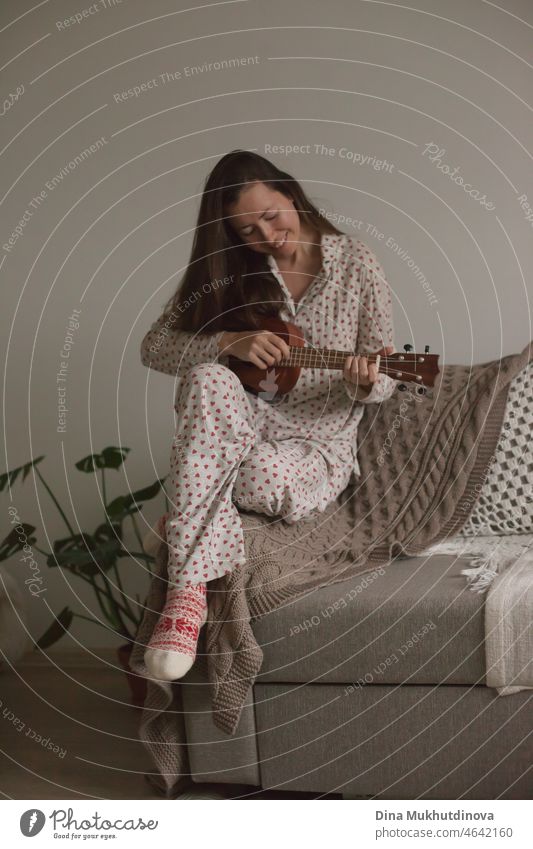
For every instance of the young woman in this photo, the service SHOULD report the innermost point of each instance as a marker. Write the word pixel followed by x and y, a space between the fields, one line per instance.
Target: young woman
pixel 261 248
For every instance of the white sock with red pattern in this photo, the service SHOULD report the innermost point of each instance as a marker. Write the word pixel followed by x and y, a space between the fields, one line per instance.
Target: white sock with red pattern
pixel 172 648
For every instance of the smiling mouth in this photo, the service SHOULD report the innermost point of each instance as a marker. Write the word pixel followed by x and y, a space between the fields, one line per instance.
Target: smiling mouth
pixel 282 242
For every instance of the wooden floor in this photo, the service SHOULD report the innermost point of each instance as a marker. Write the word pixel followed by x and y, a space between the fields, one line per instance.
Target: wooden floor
pixel 67 731
pixel 80 705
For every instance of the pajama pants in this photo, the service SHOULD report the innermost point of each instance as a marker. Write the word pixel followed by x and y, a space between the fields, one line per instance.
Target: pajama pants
pixel 232 450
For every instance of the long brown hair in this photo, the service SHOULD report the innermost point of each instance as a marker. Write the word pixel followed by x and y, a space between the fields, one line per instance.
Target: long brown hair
pixel 227 285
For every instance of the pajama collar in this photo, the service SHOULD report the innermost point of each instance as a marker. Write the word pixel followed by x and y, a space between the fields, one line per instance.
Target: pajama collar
pixel 330 245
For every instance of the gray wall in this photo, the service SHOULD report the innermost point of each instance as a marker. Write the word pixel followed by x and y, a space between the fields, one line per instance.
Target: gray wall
pixel 370 81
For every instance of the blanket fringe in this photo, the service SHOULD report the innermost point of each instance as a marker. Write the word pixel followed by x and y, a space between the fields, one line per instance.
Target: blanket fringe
pixel 479 577
pixel 489 555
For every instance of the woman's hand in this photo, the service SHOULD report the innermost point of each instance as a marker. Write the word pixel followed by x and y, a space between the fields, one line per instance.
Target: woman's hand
pixel 260 347
pixel 358 370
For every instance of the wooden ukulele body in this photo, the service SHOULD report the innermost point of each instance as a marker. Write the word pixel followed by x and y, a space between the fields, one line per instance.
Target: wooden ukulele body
pixel 280 378
pixel 284 378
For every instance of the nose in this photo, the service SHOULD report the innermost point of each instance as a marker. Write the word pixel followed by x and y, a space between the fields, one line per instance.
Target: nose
pixel 266 231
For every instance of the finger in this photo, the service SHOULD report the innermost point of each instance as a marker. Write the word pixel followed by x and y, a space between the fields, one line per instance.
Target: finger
pixel 262 357
pixel 372 373
pixel 354 369
pixel 257 361
pixel 267 350
pixel 266 360
pixel 274 343
pixel 283 345
pixel 363 370
pixel 277 346
pixel 272 348
pixel 347 367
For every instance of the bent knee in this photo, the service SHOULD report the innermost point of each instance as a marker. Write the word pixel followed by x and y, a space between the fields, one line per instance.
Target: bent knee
pixel 210 371
pixel 214 377
pixel 262 493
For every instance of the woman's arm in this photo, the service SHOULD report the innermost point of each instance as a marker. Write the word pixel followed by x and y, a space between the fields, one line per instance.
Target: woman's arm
pixel 167 349
pixel 375 330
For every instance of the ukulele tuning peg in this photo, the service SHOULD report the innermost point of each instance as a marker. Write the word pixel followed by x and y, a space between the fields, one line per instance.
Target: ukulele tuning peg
pixel 402 387
pixel 408 347
pixel 426 349
pixel 421 390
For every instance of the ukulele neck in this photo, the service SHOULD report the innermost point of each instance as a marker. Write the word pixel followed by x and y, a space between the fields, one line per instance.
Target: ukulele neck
pixel 307 357
pixel 410 366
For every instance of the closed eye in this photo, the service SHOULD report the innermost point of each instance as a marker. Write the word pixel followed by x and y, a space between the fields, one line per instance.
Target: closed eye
pixel 247 232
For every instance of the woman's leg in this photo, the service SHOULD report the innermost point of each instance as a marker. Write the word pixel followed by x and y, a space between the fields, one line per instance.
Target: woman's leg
pixel 219 464
pixel 214 432
pixel 292 478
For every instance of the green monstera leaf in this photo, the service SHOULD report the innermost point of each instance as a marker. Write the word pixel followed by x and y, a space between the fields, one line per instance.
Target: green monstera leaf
pixel 12 475
pixel 89 554
pixel 57 629
pixel 127 505
pixel 14 542
pixel 110 458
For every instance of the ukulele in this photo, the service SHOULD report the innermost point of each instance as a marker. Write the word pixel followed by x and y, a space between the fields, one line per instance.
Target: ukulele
pixel 279 379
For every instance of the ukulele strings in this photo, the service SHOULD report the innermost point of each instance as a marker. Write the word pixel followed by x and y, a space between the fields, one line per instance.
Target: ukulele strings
pixel 325 352
pixel 337 358
pixel 331 359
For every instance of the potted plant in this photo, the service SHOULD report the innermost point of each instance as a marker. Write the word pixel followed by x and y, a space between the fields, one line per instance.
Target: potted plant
pixel 92 557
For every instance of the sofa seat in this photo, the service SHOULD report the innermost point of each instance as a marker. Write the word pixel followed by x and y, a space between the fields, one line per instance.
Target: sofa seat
pixel 423 725
pixel 416 623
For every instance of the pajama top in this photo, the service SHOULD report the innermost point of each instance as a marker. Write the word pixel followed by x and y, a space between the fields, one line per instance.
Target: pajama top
pixel 346 307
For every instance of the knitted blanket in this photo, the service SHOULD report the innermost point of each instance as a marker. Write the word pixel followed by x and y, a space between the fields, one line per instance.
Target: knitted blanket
pixel 422 462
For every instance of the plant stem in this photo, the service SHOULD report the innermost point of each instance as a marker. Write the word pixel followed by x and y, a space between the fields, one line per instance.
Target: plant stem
pixel 100 592
pixel 103 491
pixel 115 607
pixel 123 627
pixel 139 540
pixel 123 594
pixel 108 614
pixel 100 595
pixel 137 532
pixel 88 619
pixel 54 499
pixel 95 622
pixel 141 555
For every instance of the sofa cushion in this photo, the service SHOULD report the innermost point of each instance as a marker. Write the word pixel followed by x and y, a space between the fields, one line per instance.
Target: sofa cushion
pixel 414 621
pixel 390 742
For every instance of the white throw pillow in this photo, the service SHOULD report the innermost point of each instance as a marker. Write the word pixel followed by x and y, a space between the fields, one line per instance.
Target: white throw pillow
pixel 505 503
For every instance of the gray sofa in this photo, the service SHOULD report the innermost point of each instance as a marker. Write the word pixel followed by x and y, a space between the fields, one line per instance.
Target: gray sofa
pixel 376 692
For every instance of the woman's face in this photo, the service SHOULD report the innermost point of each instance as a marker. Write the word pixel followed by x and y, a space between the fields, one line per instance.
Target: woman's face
pixel 265 220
